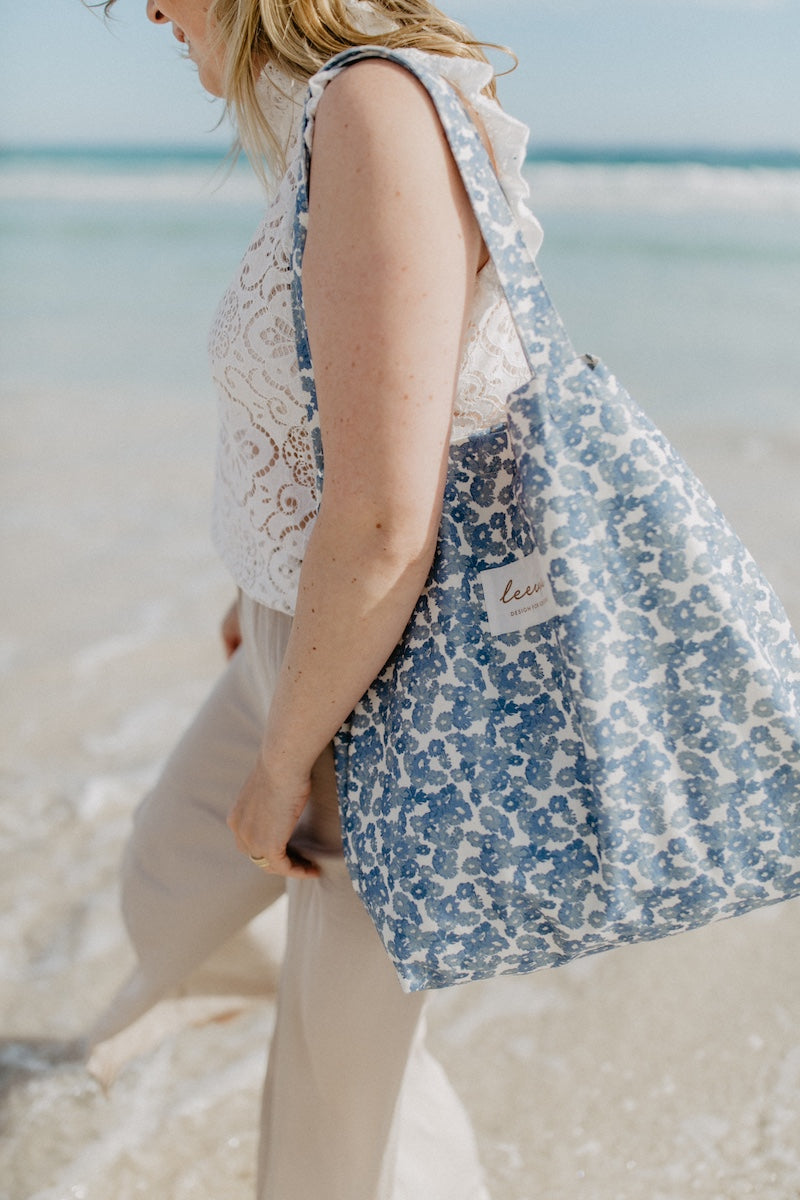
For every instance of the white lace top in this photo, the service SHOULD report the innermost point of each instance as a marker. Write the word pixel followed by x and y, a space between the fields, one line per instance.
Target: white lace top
pixel 265 502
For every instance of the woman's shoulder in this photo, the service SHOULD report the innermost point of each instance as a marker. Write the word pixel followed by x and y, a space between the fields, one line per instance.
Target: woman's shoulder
pixel 379 148
pixel 375 114
pixel 371 91
pixel 372 96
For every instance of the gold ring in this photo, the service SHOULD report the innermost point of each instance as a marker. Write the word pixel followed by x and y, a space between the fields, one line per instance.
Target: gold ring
pixel 260 862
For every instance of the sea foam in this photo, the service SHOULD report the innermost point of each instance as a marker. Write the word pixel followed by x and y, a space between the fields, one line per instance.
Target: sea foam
pixel 661 186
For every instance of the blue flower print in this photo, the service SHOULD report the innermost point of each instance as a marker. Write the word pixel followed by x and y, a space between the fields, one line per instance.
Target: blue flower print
pixel 612 417
pixel 586 621
pixel 445 912
pixel 538 774
pixel 544 827
pixel 743 761
pixel 673 566
pixel 468 673
pixel 699 802
pixel 593 451
pixel 483 942
pixel 495 821
pixel 573 860
pixel 570 914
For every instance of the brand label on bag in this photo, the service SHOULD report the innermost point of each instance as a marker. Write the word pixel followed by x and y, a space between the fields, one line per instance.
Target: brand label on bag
pixel 518 595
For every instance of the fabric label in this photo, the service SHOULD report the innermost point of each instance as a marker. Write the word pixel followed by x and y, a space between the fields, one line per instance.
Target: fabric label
pixel 517 595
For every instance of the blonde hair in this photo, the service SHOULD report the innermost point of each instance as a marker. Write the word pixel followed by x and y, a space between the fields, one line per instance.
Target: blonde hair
pixel 299 36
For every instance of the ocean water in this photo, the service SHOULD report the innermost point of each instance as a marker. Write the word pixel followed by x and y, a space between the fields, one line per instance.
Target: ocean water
pixel 669 1073
pixel 683 275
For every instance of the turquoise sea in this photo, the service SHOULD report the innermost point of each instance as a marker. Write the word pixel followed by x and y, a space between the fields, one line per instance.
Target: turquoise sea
pixel 680 268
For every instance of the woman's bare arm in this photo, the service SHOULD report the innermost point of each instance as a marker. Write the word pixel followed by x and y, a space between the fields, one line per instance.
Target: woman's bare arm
pixel 389 271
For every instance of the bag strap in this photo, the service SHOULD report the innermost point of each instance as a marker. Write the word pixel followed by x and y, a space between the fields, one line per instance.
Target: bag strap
pixel 541 332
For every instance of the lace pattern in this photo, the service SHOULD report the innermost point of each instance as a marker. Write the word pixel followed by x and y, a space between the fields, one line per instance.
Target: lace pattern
pixel 265 502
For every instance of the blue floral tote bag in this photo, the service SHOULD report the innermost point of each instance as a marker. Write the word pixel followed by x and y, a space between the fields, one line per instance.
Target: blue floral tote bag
pixel 589 733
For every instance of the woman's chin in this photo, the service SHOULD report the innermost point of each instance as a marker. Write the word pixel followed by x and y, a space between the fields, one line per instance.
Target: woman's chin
pixel 210 79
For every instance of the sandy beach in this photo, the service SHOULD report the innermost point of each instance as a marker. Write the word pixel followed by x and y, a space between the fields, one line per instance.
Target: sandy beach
pixel 665 1072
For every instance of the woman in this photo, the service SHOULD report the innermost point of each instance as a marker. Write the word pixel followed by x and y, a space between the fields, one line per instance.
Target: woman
pixel 412 346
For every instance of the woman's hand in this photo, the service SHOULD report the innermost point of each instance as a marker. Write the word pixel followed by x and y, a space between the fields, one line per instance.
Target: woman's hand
pixel 264 819
pixel 230 630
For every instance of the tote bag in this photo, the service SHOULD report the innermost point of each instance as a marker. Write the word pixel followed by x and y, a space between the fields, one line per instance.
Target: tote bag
pixel 589 734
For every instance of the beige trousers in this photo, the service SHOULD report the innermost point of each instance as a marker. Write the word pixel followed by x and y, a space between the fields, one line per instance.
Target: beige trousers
pixel 355 1108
